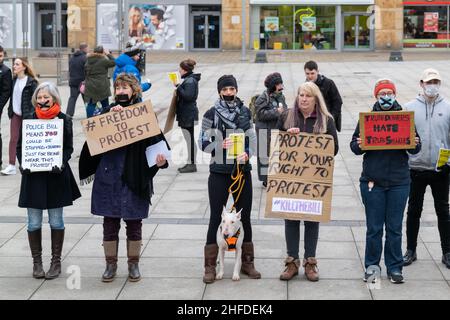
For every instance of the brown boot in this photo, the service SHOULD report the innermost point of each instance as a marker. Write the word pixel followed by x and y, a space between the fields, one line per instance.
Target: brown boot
pixel 311 269
pixel 248 256
pixel 211 251
pixel 57 245
pixel 35 240
pixel 133 252
pixel 291 270
pixel 110 248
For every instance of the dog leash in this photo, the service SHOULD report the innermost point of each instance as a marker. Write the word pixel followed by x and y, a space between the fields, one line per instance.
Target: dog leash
pixel 237 185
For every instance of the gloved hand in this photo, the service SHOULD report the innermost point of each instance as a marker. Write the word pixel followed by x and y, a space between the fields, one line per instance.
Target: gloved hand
pixel 57 169
pixel 24 171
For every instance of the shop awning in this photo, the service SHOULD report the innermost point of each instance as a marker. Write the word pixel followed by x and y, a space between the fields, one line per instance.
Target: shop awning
pixel 312 2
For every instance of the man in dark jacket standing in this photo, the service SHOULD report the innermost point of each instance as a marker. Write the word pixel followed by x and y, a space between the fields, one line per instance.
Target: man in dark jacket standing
pixel 5 91
pixel 329 91
pixel 76 76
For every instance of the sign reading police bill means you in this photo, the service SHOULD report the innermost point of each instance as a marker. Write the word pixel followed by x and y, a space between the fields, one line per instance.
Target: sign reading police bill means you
pixel 300 176
pixel 387 130
pixel 42 144
pixel 113 130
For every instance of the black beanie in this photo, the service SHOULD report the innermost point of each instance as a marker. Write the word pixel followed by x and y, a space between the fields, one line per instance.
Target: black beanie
pixel 133 52
pixel 272 80
pixel 227 80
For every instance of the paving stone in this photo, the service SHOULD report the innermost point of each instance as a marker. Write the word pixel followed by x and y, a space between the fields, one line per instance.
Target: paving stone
pixel 412 290
pixel 302 289
pixel 18 288
pixel 268 289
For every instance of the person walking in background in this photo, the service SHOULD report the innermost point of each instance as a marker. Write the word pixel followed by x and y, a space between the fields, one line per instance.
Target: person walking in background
pixel 329 91
pixel 76 76
pixel 384 186
pixel 97 82
pixel 127 61
pixel 49 190
pixel 20 106
pixel 268 107
pixel 5 92
pixel 432 119
pixel 187 110
pixel 309 115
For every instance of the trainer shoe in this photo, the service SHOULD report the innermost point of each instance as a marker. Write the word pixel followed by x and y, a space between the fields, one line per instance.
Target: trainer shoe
pixel 396 277
pixel 9 170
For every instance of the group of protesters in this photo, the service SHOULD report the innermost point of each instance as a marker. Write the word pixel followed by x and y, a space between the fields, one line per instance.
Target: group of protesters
pixel 123 185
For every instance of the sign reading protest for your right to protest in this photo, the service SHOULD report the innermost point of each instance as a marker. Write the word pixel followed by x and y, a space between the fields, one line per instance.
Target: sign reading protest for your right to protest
pixel 387 130
pixel 113 130
pixel 42 144
pixel 300 176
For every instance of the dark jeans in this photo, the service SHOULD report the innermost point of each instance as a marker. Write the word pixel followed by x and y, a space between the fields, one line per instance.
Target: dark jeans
pixel 111 228
pixel 384 209
pixel 439 184
pixel 292 233
pixel 188 133
pixel 91 105
pixel 218 185
pixel 74 93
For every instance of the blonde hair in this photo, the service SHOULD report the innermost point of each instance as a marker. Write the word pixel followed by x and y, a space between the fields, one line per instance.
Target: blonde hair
pixel 322 113
pixel 140 25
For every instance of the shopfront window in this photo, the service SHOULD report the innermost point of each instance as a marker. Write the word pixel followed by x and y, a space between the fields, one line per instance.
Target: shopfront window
pixel 297 27
pixel 425 27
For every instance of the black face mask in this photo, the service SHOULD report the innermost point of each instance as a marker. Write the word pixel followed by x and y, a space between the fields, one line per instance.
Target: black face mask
pixel 228 98
pixel 123 99
pixel 46 104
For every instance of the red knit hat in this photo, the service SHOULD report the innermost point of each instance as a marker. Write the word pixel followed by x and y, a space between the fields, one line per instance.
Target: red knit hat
pixel 384 84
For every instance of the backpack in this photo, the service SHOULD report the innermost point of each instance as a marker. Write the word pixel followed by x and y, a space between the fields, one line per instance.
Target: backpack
pixel 252 105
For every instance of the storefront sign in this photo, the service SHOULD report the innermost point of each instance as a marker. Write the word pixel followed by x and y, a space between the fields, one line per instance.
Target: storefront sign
pixel 309 24
pixel 430 21
pixel 387 130
pixel 113 130
pixel 271 24
pixel 42 144
pixel 300 179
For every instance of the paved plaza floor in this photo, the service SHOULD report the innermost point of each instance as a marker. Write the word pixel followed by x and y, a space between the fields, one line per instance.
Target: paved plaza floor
pixel 174 235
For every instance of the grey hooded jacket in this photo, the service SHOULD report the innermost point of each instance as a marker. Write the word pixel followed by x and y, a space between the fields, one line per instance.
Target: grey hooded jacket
pixel 432 122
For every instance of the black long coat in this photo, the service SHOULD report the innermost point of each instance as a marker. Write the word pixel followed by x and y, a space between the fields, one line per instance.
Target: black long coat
pixel 187 93
pixel 27 93
pixel 45 190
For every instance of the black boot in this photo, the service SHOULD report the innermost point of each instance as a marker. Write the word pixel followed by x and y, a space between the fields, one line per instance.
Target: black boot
pixel 57 245
pixel 35 240
pixel 111 249
pixel 188 168
pixel 133 253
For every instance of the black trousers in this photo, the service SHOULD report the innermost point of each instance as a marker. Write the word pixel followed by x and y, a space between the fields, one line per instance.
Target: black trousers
pixel 111 228
pixel 74 93
pixel 439 184
pixel 188 133
pixel 292 234
pixel 218 185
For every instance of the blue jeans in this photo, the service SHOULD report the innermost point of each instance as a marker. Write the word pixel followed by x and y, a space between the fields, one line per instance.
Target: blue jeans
pixel 91 107
pixel 55 219
pixel 384 207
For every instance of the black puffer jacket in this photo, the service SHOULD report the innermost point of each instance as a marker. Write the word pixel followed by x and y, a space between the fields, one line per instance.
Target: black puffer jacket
pixel 332 98
pixel 27 93
pixel 5 85
pixel 187 93
pixel 76 68
pixel 266 107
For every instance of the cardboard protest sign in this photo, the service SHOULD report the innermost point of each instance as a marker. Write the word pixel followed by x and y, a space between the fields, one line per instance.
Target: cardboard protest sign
pixel 42 144
pixel 387 130
pixel 113 130
pixel 238 140
pixel 300 176
pixel 171 114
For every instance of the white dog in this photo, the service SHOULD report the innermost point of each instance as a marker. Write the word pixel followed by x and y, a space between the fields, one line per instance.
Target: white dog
pixel 230 236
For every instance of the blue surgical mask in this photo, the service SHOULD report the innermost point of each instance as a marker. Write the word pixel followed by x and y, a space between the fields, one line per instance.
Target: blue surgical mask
pixel 386 102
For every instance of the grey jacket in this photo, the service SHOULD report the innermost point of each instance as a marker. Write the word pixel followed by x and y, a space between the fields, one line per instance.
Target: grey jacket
pixel 266 106
pixel 433 125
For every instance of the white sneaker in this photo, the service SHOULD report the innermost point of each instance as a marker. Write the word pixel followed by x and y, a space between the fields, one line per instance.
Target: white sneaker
pixel 9 170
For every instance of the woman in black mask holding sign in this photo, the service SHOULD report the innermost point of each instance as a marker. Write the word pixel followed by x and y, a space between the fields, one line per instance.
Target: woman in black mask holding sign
pixel 228 115
pixel 122 185
pixel 384 186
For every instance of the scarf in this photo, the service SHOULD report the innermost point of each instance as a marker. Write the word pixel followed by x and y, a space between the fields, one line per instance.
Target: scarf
pixel 50 113
pixel 227 112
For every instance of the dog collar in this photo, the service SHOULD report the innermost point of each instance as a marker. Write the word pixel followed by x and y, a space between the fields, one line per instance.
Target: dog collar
pixel 231 241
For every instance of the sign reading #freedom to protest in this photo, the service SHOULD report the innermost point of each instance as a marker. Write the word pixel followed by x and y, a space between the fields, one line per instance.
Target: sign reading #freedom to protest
pixel 387 130
pixel 42 144
pixel 113 130
pixel 300 176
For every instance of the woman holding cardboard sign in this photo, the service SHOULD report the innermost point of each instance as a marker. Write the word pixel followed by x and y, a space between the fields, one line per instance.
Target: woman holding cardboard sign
pixel 221 125
pixel 123 184
pixel 51 190
pixel 384 186
pixel 310 115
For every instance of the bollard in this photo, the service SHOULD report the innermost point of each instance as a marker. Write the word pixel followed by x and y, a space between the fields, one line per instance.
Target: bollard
pixel 396 56
pixel 261 57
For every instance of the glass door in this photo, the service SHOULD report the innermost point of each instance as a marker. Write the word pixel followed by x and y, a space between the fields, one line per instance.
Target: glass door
pixel 357 34
pixel 213 31
pixel 206 31
pixel 199 32
pixel 47 29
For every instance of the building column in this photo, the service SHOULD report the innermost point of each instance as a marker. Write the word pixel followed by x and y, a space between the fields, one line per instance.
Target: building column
pixel 232 33
pixel 388 24
pixel 84 18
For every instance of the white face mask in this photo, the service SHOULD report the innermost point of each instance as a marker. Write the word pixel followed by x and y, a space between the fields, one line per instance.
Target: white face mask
pixel 431 90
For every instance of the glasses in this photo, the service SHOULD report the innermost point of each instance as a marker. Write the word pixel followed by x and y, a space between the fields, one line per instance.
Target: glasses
pixel 386 95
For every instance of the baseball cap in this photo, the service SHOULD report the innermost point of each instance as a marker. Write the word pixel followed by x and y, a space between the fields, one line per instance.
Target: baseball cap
pixel 430 74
